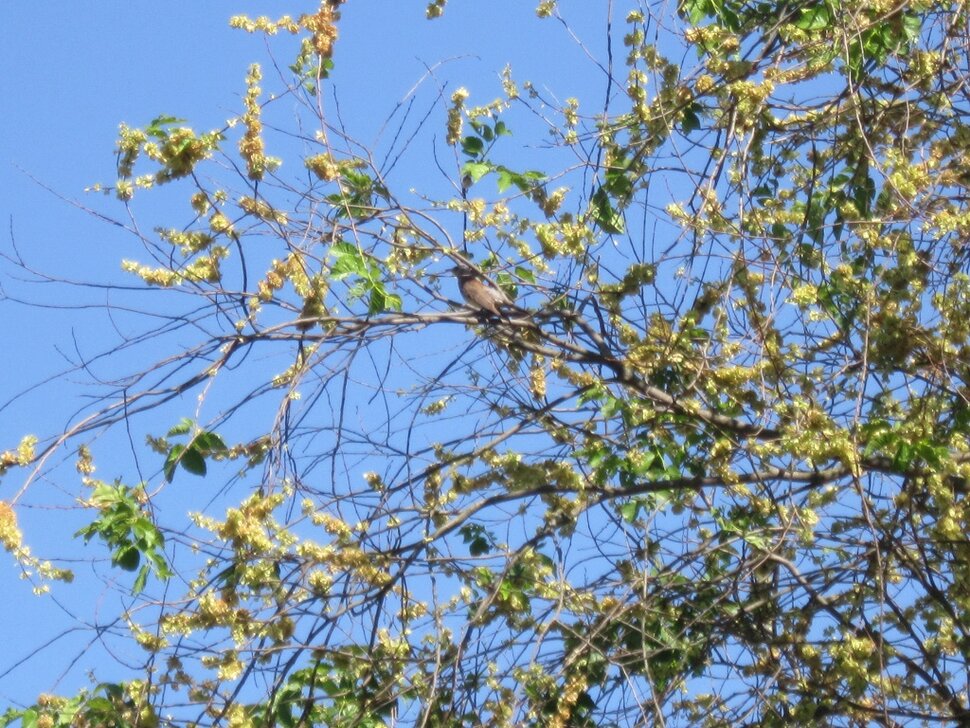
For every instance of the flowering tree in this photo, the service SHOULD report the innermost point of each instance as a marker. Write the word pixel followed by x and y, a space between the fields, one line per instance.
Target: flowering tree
pixel 711 470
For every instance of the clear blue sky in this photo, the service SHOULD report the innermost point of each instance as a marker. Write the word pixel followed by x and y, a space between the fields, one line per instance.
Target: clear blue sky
pixel 71 71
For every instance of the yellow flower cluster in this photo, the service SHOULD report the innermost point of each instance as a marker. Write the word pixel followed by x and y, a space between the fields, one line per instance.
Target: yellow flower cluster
pixel 129 146
pixel 324 166
pixel 180 151
pixel 206 268
pixel 750 99
pixel 263 210
pixel 546 8
pixel 228 664
pixel 508 84
pixel 713 36
pixel 572 691
pixel 276 277
pixel 252 148
pixel 319 582
pixel 153 276
pixel 436 407
pixel 250 525
pixel 146 640
pixel 455 115
pixel 368 567
pixel 10 535
pixel 322 26
pixel 564 238
pixel 85 462
pixel 857 658
pixel 188 241
pixel 263 24
pixel 435 9
pixel 332 525
pixel 22 456
pixel 537 378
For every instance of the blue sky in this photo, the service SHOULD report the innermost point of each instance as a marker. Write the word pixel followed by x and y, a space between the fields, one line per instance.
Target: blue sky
pixel 71 73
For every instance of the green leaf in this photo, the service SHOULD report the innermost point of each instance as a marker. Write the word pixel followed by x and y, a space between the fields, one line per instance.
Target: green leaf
pixel 182 428
pixel 127 558
pixel 531 178
pixel 912 26
pixel 814 18
pixel 159 565
pixel 88 532
pixel 284 715
pixel 100 705
pixel 933 455
pixel 504 179
pixel 193 461
pixel 524 181
pixel 480 127
pixel 478 539
pixel 156 128
pixel 507 284
pixel 616 183
pixel 377 301
pixel 143 530
pixel 695 10
pixel 172 461
pixel 758 540
pixel 479 546
pixel 690 120
pixel 525 274
pixel 475 170
pixel 903 456
pixel 358 180
pixel 349 260
pixel 878 434
pixel 630 510
pixel 472 146
pixel 140 580
pixel 209 442
pixel 604 214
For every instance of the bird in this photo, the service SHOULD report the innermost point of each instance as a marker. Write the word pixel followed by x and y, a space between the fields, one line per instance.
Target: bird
pixel 481 294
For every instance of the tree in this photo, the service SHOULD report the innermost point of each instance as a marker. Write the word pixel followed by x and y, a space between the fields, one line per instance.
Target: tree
pixel 718 475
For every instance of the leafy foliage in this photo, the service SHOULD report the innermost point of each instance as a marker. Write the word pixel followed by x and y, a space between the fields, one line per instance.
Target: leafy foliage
pixel 110 704
pixel 191 455
pixel 126 528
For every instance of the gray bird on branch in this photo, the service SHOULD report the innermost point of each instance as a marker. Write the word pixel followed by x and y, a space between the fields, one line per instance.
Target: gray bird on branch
pixel 483 295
